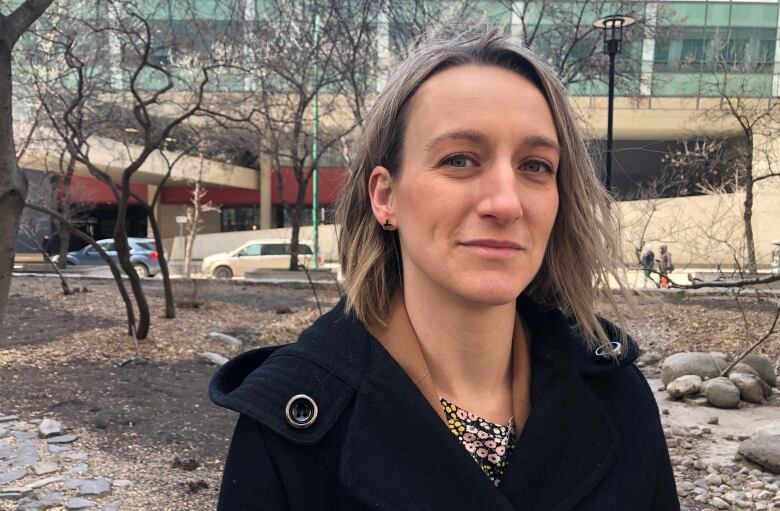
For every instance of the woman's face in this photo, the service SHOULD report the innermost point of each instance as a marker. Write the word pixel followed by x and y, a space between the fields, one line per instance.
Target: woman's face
pixel 476 196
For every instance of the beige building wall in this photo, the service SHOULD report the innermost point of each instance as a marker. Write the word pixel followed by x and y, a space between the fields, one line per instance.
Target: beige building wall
pixel 702 231
pixel 169 228
pixel 217 242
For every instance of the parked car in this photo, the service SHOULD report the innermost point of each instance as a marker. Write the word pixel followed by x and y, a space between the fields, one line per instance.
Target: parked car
pixel 143 255
pixel 776 257
pixel 254 255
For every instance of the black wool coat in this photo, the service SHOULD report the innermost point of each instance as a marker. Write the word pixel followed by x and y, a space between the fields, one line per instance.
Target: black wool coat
pixel 593 440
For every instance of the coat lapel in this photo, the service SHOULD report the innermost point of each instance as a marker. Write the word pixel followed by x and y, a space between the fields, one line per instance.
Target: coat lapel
pixel 568 444
pixel 401 455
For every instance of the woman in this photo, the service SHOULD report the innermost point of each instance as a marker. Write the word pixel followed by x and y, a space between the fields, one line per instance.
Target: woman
pixel 465 368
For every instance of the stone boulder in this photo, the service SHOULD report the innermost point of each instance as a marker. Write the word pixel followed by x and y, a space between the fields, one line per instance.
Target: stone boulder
pixel 752 388
pixel 721 393
pixel 743 369
pixel 763 448
pixel 649 358
pixel 703 365
pixel 763 366
pixel 684 386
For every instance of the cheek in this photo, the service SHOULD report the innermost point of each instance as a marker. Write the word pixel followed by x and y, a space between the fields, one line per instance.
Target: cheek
pixel 546 214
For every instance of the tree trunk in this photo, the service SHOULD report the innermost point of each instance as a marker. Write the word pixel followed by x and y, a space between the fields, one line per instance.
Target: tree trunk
pixel 64 283
pixel 747 215
pixel 13 184
pixel 170 308
pixel 123 252
pixel 63 199
pixel 295 234
pixel 193 222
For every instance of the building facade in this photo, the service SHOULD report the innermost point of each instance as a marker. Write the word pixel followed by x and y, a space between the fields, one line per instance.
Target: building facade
pixel 678 65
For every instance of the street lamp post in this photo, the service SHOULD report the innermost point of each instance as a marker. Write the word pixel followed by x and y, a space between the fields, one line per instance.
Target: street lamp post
pixel 612 27
pixel 315 202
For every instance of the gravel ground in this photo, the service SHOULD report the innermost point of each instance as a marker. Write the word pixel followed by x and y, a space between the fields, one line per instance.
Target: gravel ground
pixel 150 422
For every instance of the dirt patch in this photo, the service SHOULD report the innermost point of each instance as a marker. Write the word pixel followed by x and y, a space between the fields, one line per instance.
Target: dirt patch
pixel 672 323
pixel 137 419
pixel 35 320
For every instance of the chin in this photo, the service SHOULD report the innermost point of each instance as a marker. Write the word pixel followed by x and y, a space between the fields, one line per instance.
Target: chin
pixel 490 292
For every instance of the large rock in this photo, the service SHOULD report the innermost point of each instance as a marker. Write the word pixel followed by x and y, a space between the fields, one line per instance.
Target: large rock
pixel 743 369
pixel 684 386
pixel 650 358
pixel 763 448
pixel 722 393
pixel 49 427
pixel 752 388
pixel 764 366
pixel 703 365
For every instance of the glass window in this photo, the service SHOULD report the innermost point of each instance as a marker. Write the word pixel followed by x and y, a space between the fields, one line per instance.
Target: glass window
pixel 733 51
pixel 304 249
pixel 240 218
pixel 753 15
pixel 765 56
pixel 108 246
pixel 251 250
pixel 661 52
pixel 692 53
pixel 145 246
pixel 718 14
pixel 273 249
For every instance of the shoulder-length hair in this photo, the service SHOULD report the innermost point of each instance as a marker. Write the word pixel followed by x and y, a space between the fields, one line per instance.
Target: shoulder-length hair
pixel 583 251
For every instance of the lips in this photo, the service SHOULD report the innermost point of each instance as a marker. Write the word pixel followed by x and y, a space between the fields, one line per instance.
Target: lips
pixel 488 243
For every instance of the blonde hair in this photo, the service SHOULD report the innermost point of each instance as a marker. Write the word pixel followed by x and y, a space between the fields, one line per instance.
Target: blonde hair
pixel 583 251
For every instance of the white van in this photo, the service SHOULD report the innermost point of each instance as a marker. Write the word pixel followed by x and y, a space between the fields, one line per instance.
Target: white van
pixel 255 255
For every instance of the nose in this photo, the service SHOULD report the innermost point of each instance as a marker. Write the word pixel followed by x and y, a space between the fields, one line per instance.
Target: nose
pixel 500 194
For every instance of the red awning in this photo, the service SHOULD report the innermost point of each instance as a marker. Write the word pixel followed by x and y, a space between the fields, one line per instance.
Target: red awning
pixel 330 181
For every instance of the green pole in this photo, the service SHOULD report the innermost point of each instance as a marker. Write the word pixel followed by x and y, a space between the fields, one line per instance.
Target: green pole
pixel 315 202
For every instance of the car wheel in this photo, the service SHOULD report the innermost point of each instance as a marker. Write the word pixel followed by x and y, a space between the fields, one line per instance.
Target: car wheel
pixel 223 272
pixel 141 270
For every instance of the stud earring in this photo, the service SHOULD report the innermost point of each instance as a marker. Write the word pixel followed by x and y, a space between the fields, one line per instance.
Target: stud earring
pixel 387 225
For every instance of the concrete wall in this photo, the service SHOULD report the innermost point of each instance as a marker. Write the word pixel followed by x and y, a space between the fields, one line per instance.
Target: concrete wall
pixel 702 231
pixel 170 229
pixel 207 244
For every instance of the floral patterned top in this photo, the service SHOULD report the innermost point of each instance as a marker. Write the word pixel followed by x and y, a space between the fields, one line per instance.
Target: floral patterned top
pixel 488 443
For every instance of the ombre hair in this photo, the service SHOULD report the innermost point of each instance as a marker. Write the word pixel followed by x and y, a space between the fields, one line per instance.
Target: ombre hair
pixel 583 252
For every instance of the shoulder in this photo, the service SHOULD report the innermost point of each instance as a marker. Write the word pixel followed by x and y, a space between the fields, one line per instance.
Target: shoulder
pixel 326 364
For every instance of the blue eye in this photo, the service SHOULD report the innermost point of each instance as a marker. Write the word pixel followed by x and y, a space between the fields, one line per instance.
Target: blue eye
pixel 537 166
pixel 457 160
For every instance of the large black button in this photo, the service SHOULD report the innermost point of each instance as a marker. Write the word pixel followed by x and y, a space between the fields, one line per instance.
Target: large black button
pixel 301 411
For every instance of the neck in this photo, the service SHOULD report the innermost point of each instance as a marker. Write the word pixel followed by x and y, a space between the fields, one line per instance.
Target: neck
pixel 468 349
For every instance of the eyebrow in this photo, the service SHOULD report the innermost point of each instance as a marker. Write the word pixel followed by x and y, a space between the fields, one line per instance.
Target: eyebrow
pixel 470 135
pixel 477 137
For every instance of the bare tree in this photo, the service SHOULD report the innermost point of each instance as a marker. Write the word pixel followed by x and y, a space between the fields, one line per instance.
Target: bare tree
pixel 304 88
pixel 698 167
pixel 13 185
pixel 194 218
pixel 563 33
pixel 744 101
pixel 84 103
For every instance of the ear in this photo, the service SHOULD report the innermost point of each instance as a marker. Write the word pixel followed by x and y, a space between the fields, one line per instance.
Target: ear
pixel 380 190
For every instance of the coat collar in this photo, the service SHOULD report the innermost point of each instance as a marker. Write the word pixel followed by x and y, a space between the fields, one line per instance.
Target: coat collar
pixel 567 446
pixel 398 454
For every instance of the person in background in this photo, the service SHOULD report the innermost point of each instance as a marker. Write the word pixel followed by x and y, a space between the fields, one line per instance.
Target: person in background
pixel 648 263
pixel 665 266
